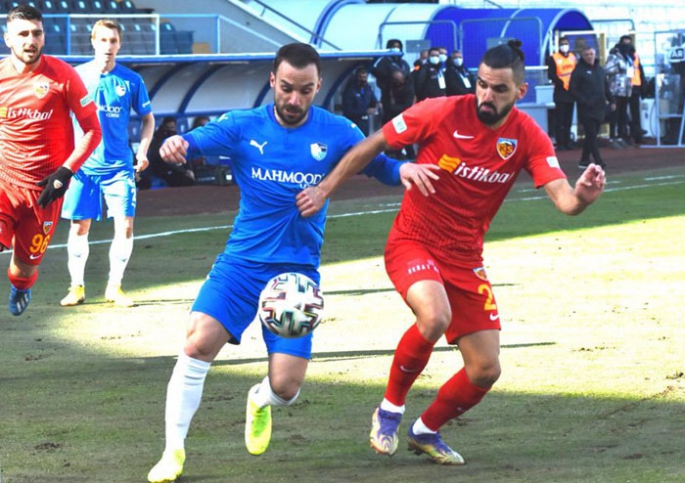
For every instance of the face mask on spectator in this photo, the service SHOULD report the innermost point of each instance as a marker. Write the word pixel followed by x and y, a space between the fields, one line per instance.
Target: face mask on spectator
pixel 443 58
pixel 434 59
pixel 563 49
pixel 458 61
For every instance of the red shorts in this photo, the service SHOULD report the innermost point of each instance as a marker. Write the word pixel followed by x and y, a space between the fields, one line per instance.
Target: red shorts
pixel 469 292
pixel 24 224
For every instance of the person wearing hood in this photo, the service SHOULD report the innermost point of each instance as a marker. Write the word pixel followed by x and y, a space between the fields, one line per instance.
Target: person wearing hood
pixel 588 86
pixel 431 77
pixel 620 69
pixel 560 65
pixel 638 83
pixel 384 68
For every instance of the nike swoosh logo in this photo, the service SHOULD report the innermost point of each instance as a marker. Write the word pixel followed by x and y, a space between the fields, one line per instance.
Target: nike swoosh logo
pixel 34 257
pixel 494 317
pixel 461 136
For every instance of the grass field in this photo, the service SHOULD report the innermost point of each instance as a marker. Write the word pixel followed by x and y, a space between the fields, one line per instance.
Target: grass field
pixel 593 384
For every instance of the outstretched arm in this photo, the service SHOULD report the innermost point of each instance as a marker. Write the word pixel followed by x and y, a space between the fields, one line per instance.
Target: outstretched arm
pixel 573 200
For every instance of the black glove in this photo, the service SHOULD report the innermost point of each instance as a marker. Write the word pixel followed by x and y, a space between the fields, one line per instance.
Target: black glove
pixel 55 186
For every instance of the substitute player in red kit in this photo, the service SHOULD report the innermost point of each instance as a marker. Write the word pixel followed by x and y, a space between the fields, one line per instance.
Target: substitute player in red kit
pixel 37 152
pixel 478 145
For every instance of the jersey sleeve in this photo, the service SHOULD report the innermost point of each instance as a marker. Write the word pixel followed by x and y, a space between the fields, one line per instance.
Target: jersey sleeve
pixel 141 99
pixel 384 169
pixel 81 103
pixel 542 165
pixel 216 138
pixel 412 125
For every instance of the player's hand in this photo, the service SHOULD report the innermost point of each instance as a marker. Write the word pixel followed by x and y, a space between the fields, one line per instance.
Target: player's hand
pixel 174 150
pixel 590 184
pixel 310 200
pixel 141 163
pixel 419 175
pixel 55 185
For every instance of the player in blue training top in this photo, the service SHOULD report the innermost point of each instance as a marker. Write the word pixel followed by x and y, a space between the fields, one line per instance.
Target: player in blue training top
pixel 276 151
pixel 109 171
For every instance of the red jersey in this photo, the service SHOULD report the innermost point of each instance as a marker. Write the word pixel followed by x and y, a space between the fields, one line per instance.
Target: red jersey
pixel 36 132
pixel 479 166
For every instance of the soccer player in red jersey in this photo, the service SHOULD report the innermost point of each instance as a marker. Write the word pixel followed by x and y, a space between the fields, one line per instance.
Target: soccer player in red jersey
pixel 478 145
pixel 37 152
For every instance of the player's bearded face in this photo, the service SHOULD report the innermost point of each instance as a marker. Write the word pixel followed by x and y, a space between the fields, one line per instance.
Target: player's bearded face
pixel 496 94
pixel 25 39
pixel 294 91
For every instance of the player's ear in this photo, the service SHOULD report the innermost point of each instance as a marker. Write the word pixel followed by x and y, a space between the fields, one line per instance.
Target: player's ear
pixel 522 89
pixel 318 85
pixel 272 80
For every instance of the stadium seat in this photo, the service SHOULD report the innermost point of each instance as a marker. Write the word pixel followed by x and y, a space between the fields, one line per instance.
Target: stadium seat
pixel 48 7
pixel 81 6
pixel 167 39
pixel 54 37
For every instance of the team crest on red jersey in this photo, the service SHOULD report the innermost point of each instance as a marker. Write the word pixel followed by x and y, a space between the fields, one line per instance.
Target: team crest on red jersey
pixel 47 227
pixel 41 89
pixel 480 273
pixel 506 147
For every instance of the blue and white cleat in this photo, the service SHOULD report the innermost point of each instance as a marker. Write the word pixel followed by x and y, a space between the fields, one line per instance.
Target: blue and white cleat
pixel 19 300
pixel 433 446
pixel 383 437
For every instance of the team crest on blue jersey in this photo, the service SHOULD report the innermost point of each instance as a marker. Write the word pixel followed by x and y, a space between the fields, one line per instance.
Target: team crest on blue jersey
pixel 318 150
pixel 41 89
pixel 120 90
pixel 47 227
pixel 506 147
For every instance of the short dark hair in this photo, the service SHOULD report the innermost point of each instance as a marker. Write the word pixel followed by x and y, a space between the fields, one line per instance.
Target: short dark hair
pixel 626 37
pixel 24 12
pixel 507 56
pixel 564 39
pixel 391 42
pixel 299 55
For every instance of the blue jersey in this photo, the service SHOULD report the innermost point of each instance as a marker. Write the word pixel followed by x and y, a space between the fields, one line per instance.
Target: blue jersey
pixel 271 164
pixel 115 94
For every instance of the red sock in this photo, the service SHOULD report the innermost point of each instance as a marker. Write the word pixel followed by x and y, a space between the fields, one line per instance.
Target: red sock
pixel 411 356
pixel 21 283
pixel 455 397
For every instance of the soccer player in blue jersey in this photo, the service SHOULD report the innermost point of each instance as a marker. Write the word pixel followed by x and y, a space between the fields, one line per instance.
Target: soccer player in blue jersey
pixel 276 151
pixel 110 170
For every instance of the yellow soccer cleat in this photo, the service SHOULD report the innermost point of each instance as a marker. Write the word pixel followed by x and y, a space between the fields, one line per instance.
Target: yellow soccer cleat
pixel 169 469
pixel 383 437
pixel 115 295
pixel 433 446
pixel 75 296
pixel 257 425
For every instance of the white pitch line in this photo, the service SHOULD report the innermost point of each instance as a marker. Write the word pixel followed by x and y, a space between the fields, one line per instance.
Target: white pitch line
pixel 358 213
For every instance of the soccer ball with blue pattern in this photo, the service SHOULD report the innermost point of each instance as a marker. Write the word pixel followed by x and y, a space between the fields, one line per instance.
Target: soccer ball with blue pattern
pixel 291 305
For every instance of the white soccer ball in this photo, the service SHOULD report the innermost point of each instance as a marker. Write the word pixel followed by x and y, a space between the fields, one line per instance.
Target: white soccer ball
pixel 291 305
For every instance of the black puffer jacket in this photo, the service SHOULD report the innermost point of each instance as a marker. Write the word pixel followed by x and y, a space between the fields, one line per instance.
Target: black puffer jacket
pixel 590 90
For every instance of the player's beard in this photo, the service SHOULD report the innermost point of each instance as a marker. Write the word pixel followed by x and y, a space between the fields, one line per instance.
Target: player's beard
pixel 287 116
pixel 23 56
pixel 489 118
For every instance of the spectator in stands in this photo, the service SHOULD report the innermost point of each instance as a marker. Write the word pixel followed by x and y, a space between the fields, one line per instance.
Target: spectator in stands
pixel 173 174
pixel 560 65
pixel 638 84
pixel 359 102
pixel 385 66
pixel 109 171
pixel 458 78
pixel 198 161
pixel 430 80
pixel 619 69
pixel 400 97
pixel 588 86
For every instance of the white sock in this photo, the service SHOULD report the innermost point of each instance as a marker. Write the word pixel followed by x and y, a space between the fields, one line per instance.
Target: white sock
pixel 119 255
pixel 78 250
pixel 266 397
pixel 183 397
pixel 388 406
pixel 420 428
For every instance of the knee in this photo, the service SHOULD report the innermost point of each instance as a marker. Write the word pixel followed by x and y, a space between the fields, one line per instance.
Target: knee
pixel 287 388
pixel 434 322
pixel 204 338
pixel 484 374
